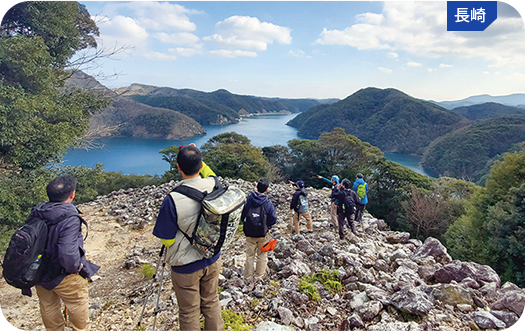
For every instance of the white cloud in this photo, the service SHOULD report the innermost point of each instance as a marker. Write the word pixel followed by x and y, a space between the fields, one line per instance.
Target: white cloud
pixel 361 36
pixel 166 22
pixel 420 28
pixel 385 70
pixel 393 55
pixel 414 64
pixel 123 31
pixel 157 15
pixel 174 53
pixel 176 38
pixel 444 65
pixel 248 33
pixel 299 53
pixel 232 54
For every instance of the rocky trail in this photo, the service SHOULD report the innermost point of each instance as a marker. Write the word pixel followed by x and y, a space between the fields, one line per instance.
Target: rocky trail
pixel 386 281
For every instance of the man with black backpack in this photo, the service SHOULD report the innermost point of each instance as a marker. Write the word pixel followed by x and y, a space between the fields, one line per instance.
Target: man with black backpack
pixel 299 205
pixel 66 269
pixel 348 200
pixel 195 277
pixel 258 216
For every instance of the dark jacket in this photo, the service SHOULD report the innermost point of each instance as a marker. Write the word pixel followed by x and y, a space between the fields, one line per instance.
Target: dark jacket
pixel 65 245
pixel 256 199
pixel 294 204
pixel 341 196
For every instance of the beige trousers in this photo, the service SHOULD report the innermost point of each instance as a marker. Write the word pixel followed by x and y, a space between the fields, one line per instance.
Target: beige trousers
pixel 333 214
pixel 197 293
pixel 253 250
pixel 73 291
pixel 307 217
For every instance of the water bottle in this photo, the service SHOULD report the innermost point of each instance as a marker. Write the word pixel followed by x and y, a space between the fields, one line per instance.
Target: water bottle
pixel 32 270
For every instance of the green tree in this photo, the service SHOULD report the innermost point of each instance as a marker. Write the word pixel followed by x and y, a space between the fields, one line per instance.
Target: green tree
pixel 65 27
pixel 493 230
pixel 344 154
pixel 39 117
pixel 280 159
pixel 232 155
pixel 389 185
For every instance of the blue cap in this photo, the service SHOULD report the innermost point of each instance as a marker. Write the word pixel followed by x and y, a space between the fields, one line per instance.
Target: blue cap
pixel 300 183
pixel 335 178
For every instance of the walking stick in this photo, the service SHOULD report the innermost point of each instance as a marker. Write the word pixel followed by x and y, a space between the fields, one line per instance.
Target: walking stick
pixel 151 286
pixel 156 311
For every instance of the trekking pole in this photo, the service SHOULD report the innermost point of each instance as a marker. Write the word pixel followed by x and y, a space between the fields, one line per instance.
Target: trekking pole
pixel 156 311
pixel 151 286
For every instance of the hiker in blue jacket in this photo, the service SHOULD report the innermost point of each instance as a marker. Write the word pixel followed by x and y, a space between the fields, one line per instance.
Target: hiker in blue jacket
pixel 360 209
pixel 333 207
pixel 257 234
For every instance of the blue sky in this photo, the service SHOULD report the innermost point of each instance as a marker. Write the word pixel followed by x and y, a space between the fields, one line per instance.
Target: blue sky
pixel 309 49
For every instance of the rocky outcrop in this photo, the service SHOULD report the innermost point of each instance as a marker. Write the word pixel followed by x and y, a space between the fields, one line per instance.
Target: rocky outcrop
pixel 388 281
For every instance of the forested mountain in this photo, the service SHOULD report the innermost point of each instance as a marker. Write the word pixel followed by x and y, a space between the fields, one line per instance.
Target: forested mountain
pixel 467 152
pixel 126 117
pixel 487 110
pixel 386 118
pixel 214 108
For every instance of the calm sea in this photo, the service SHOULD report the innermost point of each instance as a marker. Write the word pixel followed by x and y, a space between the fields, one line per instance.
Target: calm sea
pixel 141 156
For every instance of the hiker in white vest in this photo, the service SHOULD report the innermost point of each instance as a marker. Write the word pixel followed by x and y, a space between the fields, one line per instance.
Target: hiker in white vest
pixel 195 278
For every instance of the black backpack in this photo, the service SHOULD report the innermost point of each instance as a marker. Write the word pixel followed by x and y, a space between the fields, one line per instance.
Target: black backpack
pixel 350 201
pixel 25 259
pixel 255 222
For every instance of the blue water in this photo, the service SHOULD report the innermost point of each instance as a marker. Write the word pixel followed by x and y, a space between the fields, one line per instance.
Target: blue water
pixel 141 156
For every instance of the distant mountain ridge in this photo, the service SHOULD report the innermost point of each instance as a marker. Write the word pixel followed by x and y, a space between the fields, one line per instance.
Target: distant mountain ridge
pixel 487 110
pixel 516 100
pixel 386 118
pixel 469 152
pixel 162 112
pixel 213 108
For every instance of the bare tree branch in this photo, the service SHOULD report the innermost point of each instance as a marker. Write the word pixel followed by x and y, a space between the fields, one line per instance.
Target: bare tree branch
pixel 89 140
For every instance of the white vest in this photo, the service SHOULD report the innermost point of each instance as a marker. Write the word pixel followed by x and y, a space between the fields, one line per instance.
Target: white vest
pixel 188 210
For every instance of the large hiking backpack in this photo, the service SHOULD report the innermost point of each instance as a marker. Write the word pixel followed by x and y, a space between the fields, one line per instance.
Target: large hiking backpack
pixel 303 204
pixel 361 191
pixel 255 222
pixel 349 202
pixel 219 218
pixel 25 258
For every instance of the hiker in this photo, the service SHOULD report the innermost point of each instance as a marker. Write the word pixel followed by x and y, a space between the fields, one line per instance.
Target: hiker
pixel 68 270
pixel 348 200
pixel 333 207
pixel 258 216
pixel 299 207
pixel 195 278
pixel 361 188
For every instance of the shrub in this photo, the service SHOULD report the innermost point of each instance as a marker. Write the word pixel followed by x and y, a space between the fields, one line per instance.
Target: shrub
pixel 309 289
pixel 232 321
pixel 147 271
